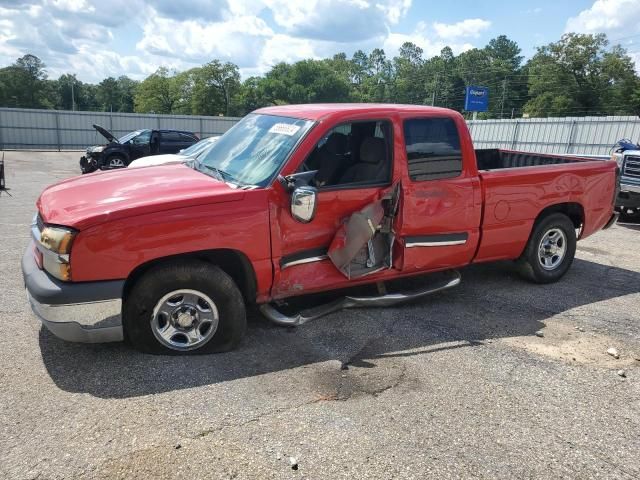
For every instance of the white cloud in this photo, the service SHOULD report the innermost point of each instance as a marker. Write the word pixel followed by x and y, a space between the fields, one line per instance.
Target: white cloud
pixel 73 6
pixel 395 9
pixel 191 9
pixel 421 36
pixel 471 27
pixel 283 48
pixel 619 19
pixel 616 17
pixel 336 20
pixel 238 40
pixel 134 37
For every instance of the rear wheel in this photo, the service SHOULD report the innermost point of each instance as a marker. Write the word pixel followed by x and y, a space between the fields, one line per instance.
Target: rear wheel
pixel 184 308
pixel 550 250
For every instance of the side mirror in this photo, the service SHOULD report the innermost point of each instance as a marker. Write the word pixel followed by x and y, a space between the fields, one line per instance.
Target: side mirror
pixel 303 204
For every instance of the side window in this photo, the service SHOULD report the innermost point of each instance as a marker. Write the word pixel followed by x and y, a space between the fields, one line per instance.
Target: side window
pixel 186 138
pixel 357 153
pixel 142 139
pixel 170 136
pixel 433 148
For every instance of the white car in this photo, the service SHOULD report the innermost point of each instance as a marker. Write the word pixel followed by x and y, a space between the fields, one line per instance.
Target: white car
pixel 194 151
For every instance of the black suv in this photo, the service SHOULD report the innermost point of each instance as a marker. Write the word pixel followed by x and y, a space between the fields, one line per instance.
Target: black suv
pixel 119 152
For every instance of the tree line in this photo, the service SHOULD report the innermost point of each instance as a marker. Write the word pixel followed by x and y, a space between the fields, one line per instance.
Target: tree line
pixel 575 76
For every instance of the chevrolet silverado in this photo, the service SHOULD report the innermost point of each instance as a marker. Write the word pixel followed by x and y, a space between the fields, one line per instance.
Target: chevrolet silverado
pixel 294 200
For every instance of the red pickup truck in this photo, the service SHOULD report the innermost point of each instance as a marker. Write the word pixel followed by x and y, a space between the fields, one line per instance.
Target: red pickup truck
pixel 294 200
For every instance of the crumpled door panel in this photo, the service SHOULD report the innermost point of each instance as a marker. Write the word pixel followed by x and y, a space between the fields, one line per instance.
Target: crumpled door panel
pixel 364 242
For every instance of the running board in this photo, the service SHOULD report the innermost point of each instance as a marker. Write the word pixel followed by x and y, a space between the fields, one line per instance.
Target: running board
pixel 268 310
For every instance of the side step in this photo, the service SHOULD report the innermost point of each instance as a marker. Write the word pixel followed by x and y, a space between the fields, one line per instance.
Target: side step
pixel 451 279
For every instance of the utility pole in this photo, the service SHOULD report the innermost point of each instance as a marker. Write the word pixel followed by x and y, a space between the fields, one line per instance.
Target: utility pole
pixel 73 99
pixel 504 89
pixel 433 95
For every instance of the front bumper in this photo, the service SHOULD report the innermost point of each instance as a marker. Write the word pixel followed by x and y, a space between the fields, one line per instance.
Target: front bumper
pixel 629 194
pixel 89 163
pixel 630 187
pixel 88 312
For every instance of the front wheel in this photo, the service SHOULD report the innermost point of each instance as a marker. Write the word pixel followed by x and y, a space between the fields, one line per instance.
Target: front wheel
pixel 116 161
pixel 550 250
pixel 184 307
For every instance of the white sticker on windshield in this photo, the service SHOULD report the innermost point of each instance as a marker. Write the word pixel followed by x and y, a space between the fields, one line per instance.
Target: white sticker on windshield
pixel 284 129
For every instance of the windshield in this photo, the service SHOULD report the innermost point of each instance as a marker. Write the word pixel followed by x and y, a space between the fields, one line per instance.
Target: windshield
pixel 199 147
pixel 131 135
pixel 255 148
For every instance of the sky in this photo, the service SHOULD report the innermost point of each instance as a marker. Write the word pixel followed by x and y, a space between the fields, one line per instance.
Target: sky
pixel 98 39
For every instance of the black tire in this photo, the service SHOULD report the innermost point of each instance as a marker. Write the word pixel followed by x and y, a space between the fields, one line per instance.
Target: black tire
pixel 529 264
pixel 114 159
pixel 193 275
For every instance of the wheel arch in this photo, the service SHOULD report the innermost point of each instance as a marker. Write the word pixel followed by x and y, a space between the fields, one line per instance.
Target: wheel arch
pixel 573 210
pixel 118 153
pixel 233 262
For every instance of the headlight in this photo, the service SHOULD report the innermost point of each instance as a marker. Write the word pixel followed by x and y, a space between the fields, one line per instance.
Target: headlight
pixel 95 149
pixel 57 239
pixel 55 245
pixel 618 158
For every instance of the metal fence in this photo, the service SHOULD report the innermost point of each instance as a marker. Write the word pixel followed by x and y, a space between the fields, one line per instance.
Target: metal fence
pixel 581 135
pixel 65 130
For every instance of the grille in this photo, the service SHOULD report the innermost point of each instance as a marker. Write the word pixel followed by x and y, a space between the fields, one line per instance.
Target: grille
pixel 631 167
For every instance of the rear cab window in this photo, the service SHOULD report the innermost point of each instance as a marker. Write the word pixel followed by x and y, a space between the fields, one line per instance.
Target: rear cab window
pixel 433 148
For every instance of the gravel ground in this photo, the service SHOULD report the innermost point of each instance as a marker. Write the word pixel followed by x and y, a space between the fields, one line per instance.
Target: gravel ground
pixel 497 378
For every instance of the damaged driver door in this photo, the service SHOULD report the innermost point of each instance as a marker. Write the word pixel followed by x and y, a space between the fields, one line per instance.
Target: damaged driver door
pixel 349 173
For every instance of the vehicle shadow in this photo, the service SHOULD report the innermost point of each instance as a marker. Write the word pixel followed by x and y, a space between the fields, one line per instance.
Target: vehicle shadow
pixel 492 302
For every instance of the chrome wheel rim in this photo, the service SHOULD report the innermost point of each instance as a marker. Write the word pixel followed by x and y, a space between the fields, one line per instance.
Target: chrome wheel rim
pixel 552 249
pixel 116 162
pixel 184 320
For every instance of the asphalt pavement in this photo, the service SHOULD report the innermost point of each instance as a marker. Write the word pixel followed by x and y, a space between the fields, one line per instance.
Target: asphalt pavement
pixel 497 378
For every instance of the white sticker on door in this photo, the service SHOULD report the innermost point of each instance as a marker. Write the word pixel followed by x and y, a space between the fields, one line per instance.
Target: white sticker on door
pixel 284 129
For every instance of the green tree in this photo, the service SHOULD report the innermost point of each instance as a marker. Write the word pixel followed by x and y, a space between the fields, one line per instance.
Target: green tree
pixel 108 95
pixel 250 96
pixel 24 83
pixel 306 81
pixel 215 84
pixel 127 88
pixel 67 93
pixel 409 85
pixel 378 82
pixel 509 78
pixel 578 75
pixel 157 93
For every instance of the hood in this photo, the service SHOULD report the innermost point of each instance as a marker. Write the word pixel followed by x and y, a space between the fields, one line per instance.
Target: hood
pixel 88 200
pixel 105 133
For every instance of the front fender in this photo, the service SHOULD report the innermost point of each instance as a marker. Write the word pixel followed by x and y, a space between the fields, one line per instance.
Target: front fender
pixel 114 249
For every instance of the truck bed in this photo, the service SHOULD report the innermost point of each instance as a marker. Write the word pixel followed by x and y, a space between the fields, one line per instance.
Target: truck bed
pixel 494 159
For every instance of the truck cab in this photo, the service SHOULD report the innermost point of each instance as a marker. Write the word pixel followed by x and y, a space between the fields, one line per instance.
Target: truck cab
pixel 295 200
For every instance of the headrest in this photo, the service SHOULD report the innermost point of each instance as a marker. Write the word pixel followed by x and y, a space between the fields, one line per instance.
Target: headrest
pixel 372 150
pixel 336 143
